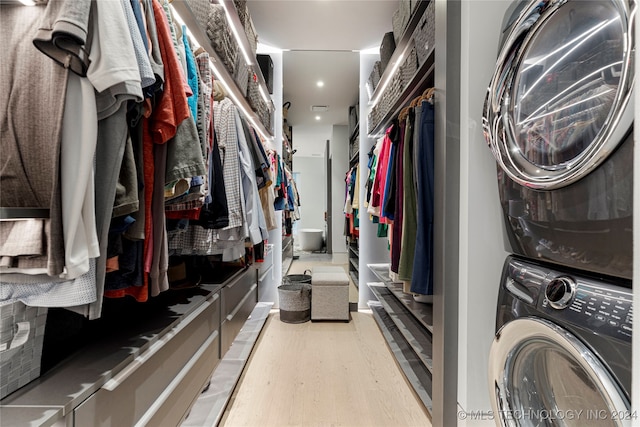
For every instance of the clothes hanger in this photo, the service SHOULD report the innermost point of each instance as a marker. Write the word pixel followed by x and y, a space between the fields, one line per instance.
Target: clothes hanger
pixel 403 114
pixel 427 95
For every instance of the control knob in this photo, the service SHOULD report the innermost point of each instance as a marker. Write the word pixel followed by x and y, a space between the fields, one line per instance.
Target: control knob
pixel 560 292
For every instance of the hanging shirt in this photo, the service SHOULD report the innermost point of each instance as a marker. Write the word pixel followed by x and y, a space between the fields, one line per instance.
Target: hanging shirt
pixel 225 129
pixel 381 176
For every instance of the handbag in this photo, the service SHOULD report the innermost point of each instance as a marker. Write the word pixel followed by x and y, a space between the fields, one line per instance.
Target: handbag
pixel 285 110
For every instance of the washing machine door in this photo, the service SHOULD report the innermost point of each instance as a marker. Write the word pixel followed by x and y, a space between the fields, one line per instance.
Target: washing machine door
pixel 542 375
pixel 558 103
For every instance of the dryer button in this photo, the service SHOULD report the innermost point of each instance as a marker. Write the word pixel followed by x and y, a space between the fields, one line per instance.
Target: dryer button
pixel 560 292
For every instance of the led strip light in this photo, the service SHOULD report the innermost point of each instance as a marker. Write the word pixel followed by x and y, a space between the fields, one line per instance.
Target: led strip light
pixel 240 104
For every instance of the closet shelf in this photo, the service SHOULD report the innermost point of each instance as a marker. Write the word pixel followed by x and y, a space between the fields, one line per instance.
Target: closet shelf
pixel 422 80
pixel 412 330
pixel 422 312
pixel 355 278
pixel 354 159
pixel 200 35
pixel 402 46
pixel 355 133
pixel 354 250
pixel 354 263
pixel 415 372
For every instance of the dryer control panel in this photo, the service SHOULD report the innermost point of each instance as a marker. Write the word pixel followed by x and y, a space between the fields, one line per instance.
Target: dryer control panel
pixel 600 306
pixel 567 297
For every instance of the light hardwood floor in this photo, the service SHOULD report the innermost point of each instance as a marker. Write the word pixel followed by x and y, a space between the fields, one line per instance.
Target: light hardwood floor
pixel 323 374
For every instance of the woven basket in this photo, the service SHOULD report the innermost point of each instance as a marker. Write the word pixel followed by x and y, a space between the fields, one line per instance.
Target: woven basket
pixel 221 38
pixel 401 19
pixel 241 76
pixel 409 67
pixel 21 338
pixel 200 9
pixel 243 11
pixel 372 119
pixel 387 47
pixel 252 36
pixel 425 34
pixel 253 93
pixel 374 76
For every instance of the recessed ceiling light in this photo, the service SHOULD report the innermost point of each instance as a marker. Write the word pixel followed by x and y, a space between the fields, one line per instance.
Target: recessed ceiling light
pixel 320 83
pixel 317 117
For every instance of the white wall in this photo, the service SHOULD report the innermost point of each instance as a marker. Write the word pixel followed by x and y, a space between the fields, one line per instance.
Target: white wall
pixel 481 231
pixel 312 189
pixel 339 166
pixel 315 136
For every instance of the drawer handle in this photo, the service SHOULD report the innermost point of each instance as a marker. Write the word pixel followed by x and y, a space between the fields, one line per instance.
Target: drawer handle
pixel 269 270
pixel 231 315
pixel 139 360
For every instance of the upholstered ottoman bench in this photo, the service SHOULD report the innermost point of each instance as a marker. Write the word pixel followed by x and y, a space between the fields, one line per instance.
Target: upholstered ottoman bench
pixel 329 293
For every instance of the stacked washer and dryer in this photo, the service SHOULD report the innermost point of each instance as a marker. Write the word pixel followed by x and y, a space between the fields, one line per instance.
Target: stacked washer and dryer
pixel 559 120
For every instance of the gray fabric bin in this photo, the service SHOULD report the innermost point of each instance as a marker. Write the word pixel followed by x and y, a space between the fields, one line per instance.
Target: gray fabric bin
pixel 295 302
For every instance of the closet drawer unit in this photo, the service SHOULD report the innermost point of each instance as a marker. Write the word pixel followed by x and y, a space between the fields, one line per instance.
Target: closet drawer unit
pixel 265 278
pixel 184 356
pixel 172 406
pixel 236 319
pixel 234 292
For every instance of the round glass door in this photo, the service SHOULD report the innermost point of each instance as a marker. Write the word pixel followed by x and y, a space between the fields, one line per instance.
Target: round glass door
pixel 544 376
pixel 557 104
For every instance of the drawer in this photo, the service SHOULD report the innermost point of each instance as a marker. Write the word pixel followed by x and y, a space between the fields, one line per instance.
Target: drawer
pixel 264 266
pixel 235 320
pixel 234 292
pixel 265 282
pixel 174 404
pixel 129 395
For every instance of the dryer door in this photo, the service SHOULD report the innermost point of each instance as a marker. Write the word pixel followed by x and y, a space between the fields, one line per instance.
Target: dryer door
pixel 558 102
pixel 542 375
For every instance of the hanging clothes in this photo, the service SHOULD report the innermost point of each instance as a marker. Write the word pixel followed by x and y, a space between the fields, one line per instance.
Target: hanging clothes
pixel 409 204
pixel 422 278
pixel 380 177
pixel 114 75
pixel 398 200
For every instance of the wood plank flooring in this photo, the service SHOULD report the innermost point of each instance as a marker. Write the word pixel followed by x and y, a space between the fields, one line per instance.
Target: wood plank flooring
pixel 323 374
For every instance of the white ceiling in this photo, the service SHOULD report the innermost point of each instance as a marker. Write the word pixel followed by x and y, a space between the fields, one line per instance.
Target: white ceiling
pixel 321 39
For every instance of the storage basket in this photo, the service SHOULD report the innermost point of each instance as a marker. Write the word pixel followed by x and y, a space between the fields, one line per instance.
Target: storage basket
pixel 409 67
pixel 252 35
pixel 353 119
pixel 241 8
pixel 299 278
pixel 425 34
pixel 241 76
pixel 387 47
pixel 201 10
pixel 221 38
pixel 253 92
pixel 21 338
pixel 265 114
pixel 295 302
pixel 374 77
pixel 401 19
